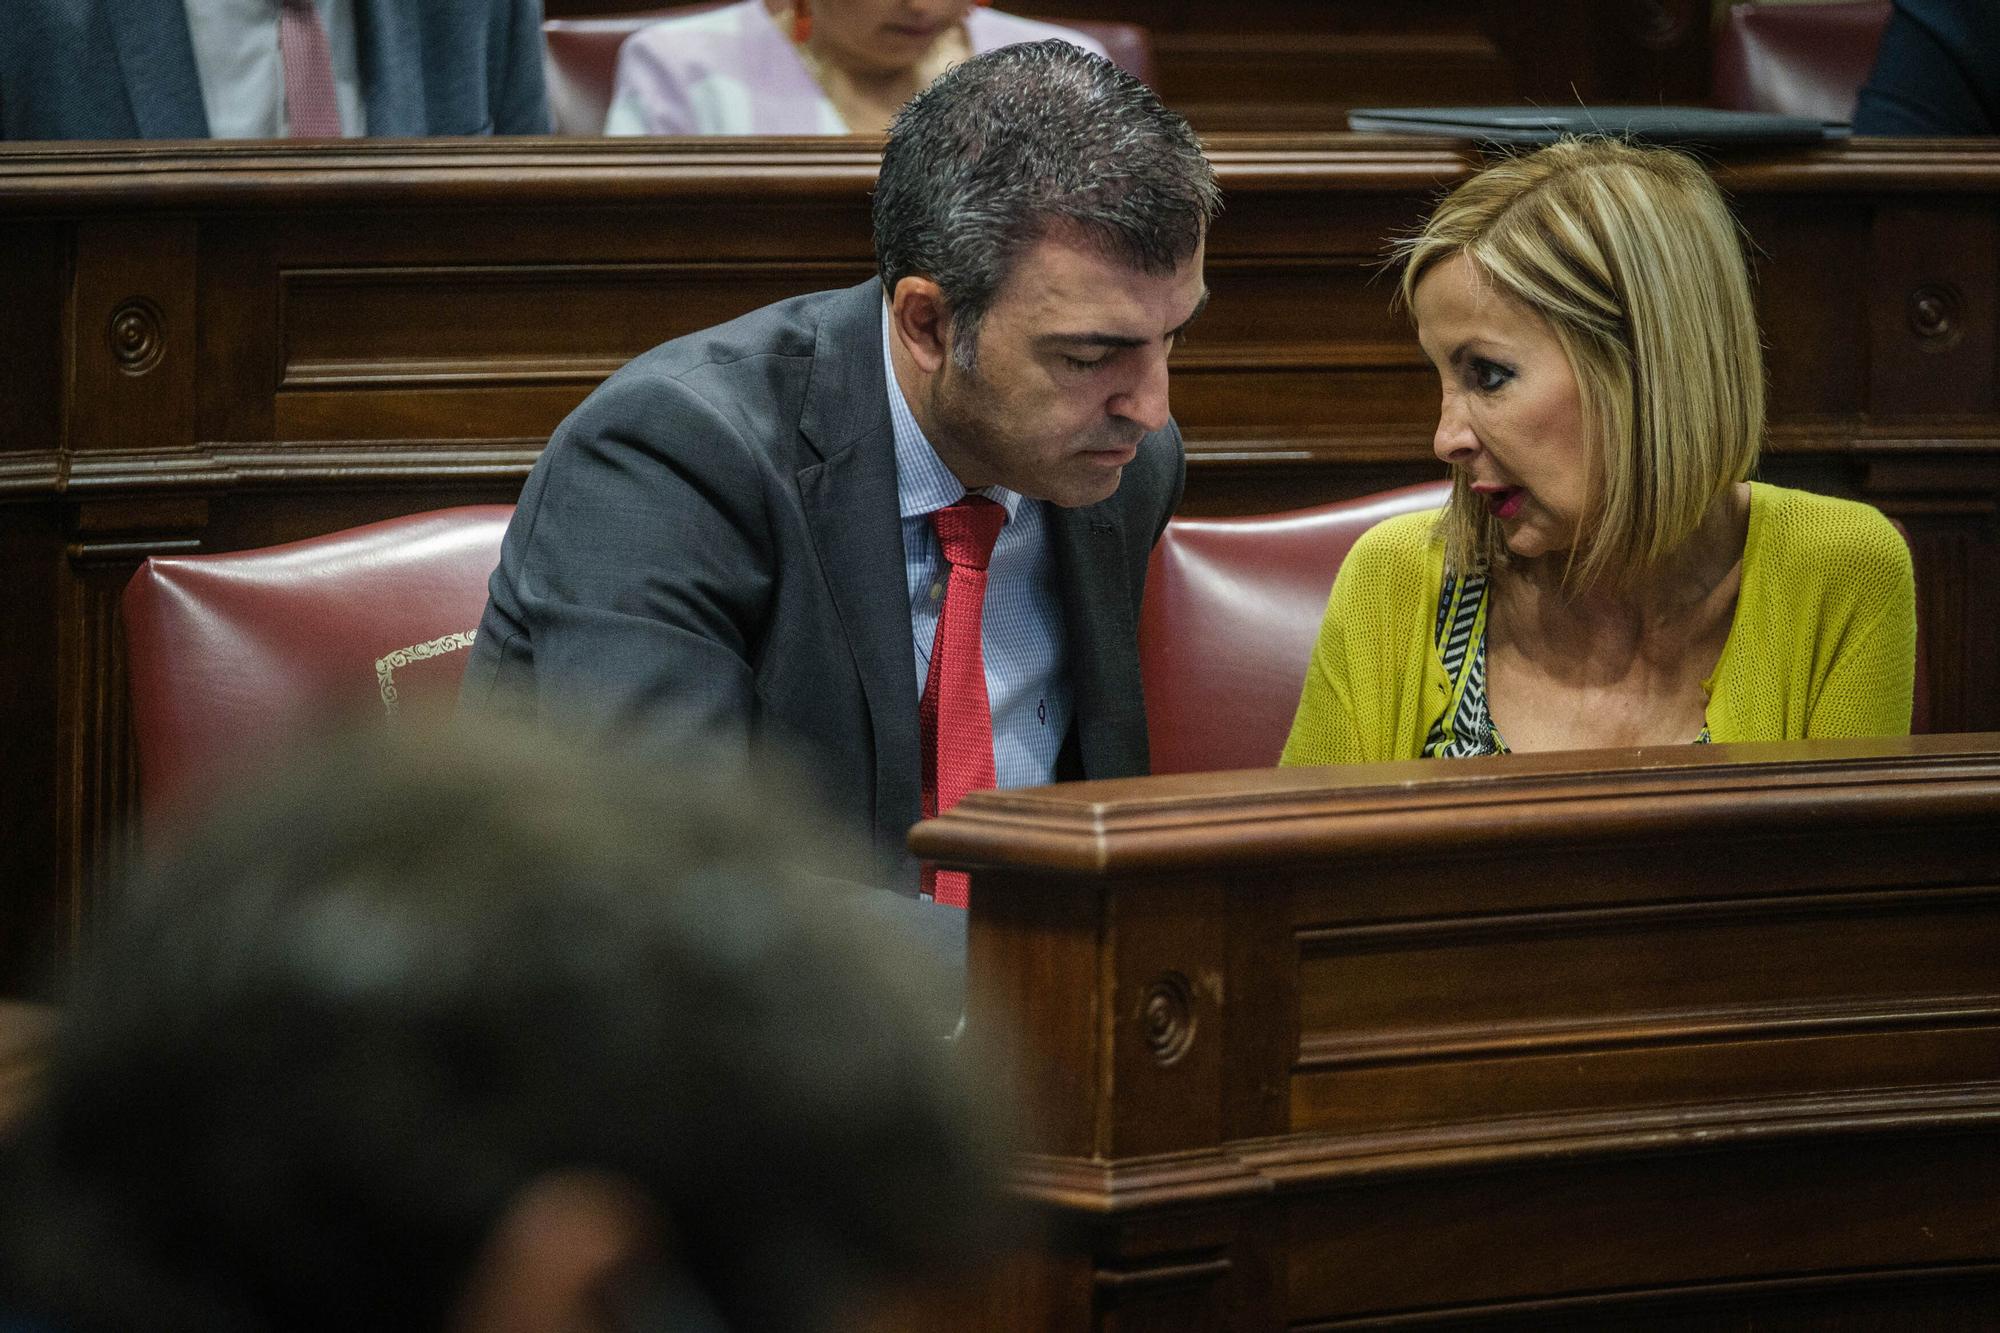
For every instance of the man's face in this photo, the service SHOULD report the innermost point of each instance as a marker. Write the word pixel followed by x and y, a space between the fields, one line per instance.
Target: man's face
pixel 1071 372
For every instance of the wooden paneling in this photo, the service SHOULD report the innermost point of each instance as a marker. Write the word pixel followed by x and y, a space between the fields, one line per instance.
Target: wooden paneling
pixel 1930 298
pixel 36 877
pixel 1673 1039
pixel 231 345
pixel 32 345
pixel 25 1032
pixel 1276 81
pixel 1826 1235
pixel 132 332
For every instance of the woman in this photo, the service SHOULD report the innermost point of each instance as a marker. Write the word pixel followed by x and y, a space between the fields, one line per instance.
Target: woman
pixel 803 67
pixel 1604 574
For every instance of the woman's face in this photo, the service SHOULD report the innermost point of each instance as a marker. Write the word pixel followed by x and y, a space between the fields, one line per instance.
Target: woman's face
pixel 1511 421
pixel 883 36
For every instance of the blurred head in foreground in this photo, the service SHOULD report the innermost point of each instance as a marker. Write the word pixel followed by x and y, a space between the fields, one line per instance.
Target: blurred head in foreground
pixel 469 1033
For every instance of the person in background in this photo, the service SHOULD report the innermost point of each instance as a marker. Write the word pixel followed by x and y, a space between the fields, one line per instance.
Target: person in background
pixel 1937 71
pixel 483 1033
pixel 269 69
pixel 1605 574
pixel 804 67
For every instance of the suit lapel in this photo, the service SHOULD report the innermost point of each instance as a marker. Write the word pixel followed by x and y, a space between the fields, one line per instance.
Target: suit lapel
pixel 1091 571
pixel 849 496
pixel 156 56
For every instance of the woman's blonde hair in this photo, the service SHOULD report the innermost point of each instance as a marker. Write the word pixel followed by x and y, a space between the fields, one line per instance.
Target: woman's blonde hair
pixel 1632 258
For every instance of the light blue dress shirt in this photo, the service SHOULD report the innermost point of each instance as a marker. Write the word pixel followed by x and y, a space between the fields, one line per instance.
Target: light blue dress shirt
pixel 242 71
pixel 1021 634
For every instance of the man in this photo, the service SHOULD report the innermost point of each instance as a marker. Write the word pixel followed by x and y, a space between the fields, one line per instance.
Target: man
pixel 482 1034
pixel 263 69
pixel 735 540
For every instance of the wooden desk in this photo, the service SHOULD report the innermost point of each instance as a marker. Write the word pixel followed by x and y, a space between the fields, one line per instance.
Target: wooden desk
pixel 26 1032
pixel 220 346
pixel 1705 1040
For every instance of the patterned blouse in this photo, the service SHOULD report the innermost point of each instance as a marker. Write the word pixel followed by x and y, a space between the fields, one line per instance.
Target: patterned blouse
pixel 1465 727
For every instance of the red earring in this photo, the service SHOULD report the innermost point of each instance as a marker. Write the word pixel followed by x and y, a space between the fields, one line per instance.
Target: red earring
pixel 802 21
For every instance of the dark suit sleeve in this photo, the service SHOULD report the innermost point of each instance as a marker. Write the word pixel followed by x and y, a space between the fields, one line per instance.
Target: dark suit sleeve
pixel 1179 486
pixel 1937 71
pixel 636 576
pixel 520 84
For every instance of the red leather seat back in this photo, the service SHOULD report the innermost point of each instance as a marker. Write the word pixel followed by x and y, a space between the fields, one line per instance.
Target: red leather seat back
pixel 1127 45
pixel 1232 608
pixel 580 56
pixel 229 653
pixel 1798 60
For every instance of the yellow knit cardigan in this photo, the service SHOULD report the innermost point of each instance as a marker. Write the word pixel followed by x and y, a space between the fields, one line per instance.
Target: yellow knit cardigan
pixel 1823 642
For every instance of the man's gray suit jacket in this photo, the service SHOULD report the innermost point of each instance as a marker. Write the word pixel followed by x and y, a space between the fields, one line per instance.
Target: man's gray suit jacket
pixel 125 69
pixel 710 550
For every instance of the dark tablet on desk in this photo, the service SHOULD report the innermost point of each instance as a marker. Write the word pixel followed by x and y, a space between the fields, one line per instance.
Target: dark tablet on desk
pixel 1653 124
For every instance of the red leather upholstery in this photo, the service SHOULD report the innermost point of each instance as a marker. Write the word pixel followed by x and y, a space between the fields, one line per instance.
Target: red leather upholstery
pixel 1127 45
pixel 229 653
pixel 581 58
pixel 1800 60
pixel 1232 608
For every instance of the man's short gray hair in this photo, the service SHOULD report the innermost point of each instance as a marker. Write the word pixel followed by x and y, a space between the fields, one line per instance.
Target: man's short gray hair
pixel 1013 144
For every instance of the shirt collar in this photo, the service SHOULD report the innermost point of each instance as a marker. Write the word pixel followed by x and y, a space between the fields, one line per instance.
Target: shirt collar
pixel 923 482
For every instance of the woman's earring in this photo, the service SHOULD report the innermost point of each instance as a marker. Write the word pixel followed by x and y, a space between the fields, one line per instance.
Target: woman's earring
pixel 802 21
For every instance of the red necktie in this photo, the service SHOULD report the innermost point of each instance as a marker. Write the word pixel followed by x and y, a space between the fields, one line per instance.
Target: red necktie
pixel 311 109
pixel 955 718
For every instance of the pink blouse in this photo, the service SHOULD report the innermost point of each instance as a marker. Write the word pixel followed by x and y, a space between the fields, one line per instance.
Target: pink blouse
pixel 733 71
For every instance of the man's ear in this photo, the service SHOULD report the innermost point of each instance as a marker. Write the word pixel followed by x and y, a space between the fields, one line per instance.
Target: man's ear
pixel 922 321
pixel 562 1258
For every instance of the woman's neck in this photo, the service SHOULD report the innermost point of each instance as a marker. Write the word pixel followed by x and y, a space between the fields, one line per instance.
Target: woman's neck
pixel 1682 587
pixel 868 98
